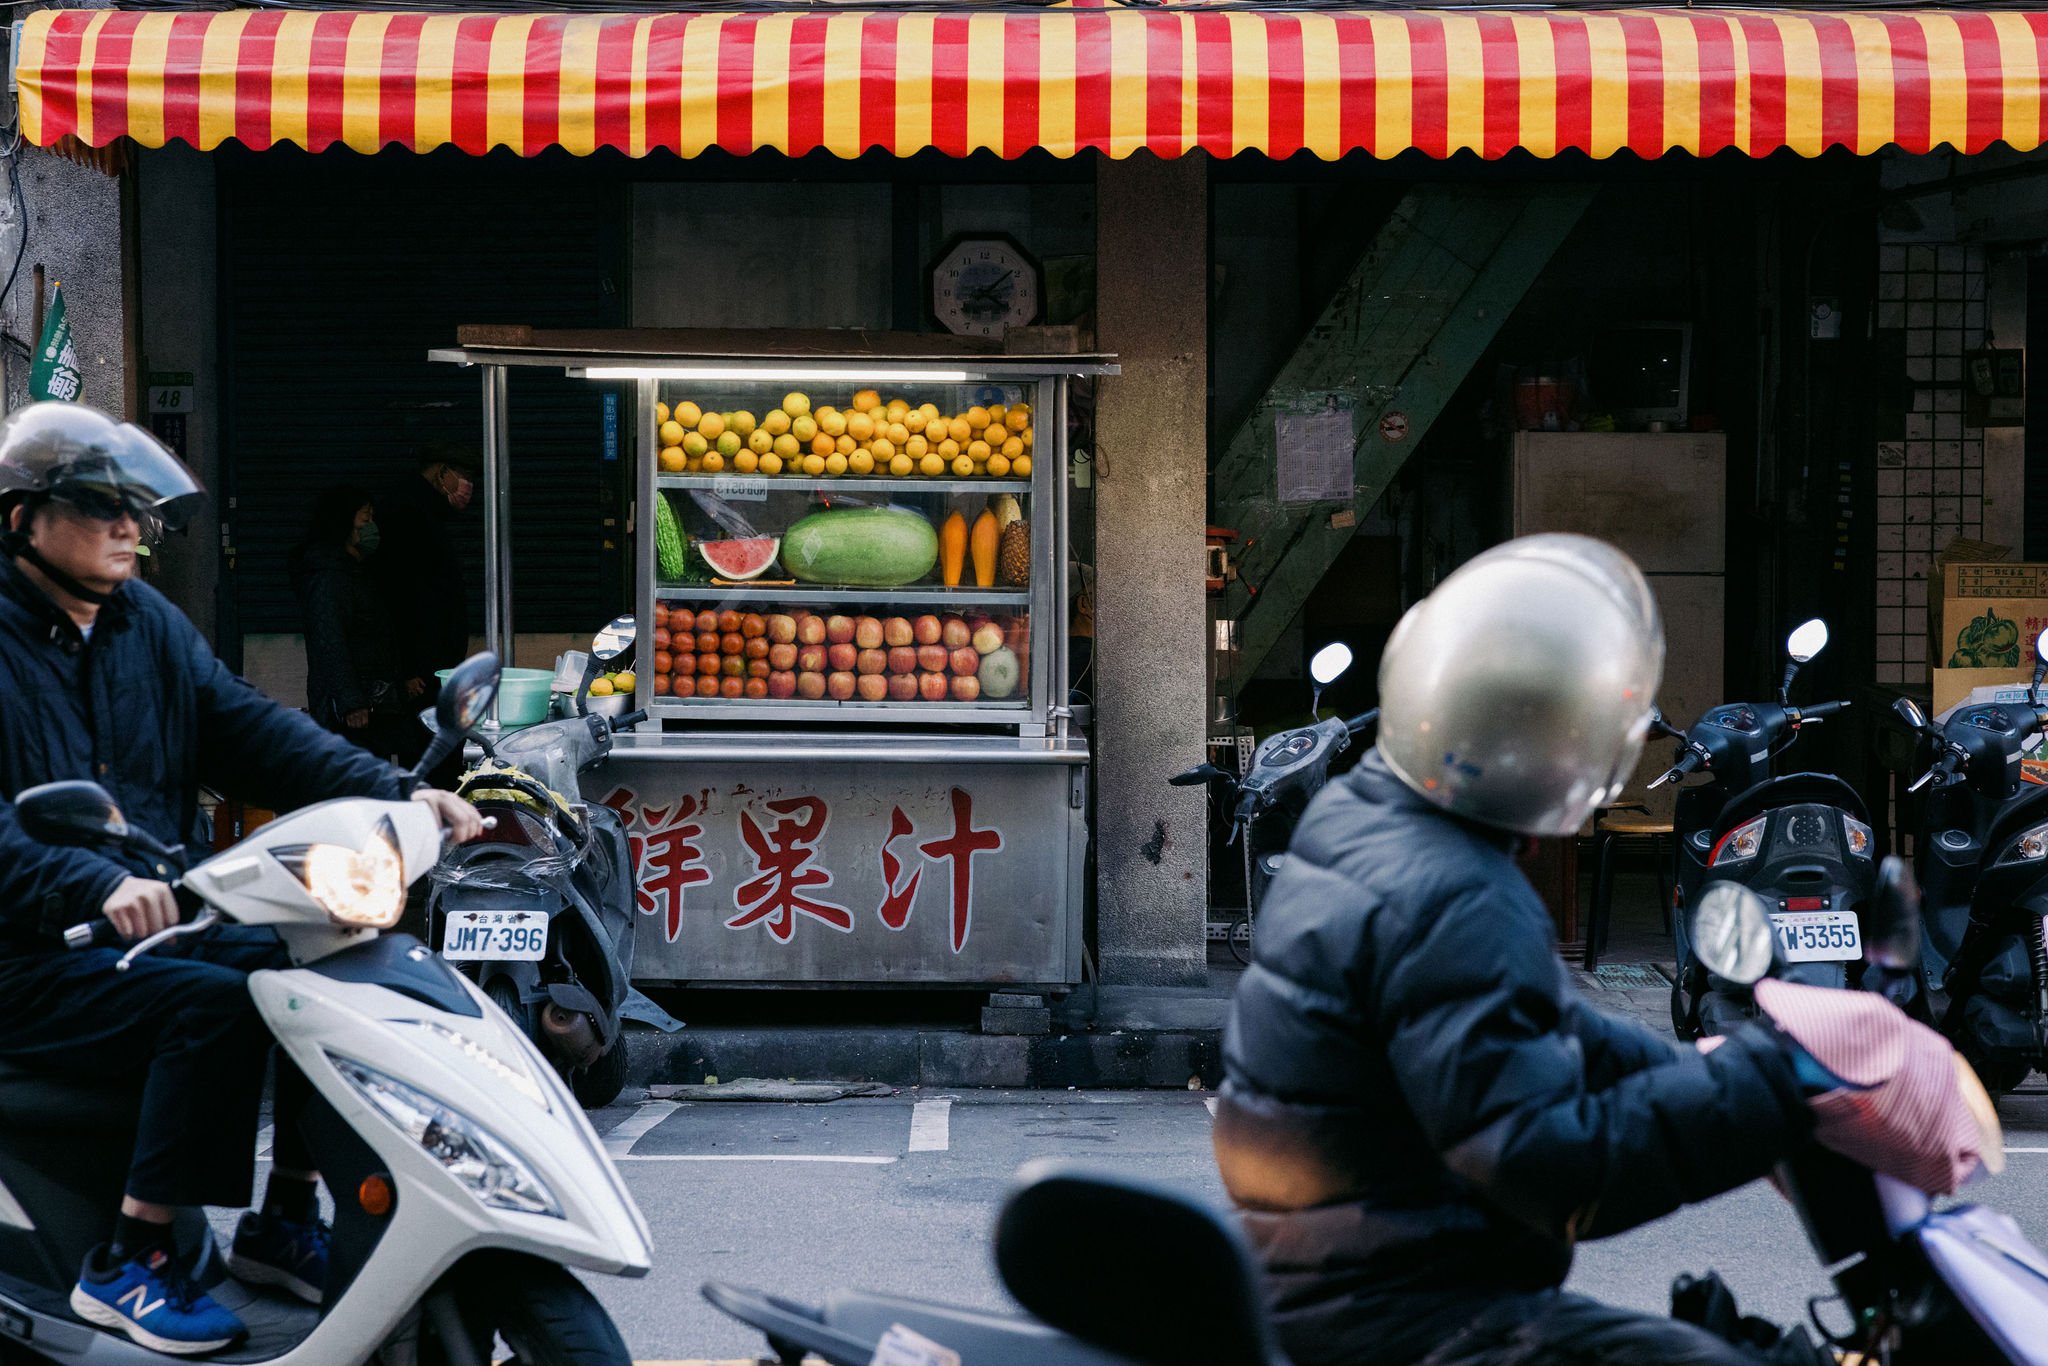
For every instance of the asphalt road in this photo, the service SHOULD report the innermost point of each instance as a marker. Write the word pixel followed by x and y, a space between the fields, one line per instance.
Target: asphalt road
pixel 898 1194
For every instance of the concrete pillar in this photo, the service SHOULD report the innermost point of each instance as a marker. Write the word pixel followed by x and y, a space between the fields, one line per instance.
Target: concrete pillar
pixel 1151 516
pixel 74 232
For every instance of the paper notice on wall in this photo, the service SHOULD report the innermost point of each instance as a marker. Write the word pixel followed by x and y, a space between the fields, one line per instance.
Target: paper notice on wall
pixel 1314 452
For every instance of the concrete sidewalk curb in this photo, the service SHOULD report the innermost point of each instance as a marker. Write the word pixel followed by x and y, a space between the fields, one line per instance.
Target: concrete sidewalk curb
pixel 932 1057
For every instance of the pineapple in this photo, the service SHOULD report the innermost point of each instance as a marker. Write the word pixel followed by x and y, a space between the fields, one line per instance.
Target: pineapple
pixel 1013 554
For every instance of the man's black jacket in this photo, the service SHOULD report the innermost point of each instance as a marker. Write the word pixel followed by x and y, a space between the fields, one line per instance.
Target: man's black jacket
pixel 1419 1113
pixel 420 571
pixel 145 710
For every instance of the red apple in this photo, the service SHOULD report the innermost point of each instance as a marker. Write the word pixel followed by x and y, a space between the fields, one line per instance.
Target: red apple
pixel 839 630
pixel 840 686
pixel 732 688
pixel 810 686
pixel 753 624
pixel 758 668
pixel 988 638
pixel 966 687
pixel 954 633
pixel 902 660
pixel 843 657
pixel 811 659
pixel 732 643
pixel 782 683
pixel 706 620
pixel 931 658
pixel 926 630
pixel 871 662
pixel 757 688
pixel 757 647
pixel 932 687
pixel 964 662
pixel 898 631
pixel 903 687
pixel 782 628
pixel 782 656
pixel 872 687
pixel 867 633
pixel 810 630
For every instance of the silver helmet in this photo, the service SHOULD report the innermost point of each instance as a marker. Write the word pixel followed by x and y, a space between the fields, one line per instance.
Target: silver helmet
pixel 80 456
pixel 1519 693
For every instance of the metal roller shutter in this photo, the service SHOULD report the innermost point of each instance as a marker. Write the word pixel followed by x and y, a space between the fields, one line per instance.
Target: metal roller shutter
pixel 338 273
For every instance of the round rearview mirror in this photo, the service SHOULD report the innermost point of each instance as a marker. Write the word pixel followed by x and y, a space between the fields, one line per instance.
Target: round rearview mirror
pixel 2041 646
pixel 614 640
pixel 1807 641
pixel 467 695
pixel 1731 929
pixel 71 811
pixel 1330 662
pixel 1907 710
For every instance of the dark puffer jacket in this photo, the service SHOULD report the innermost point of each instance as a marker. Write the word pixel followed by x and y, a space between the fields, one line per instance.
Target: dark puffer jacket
pixel 1420 1115
pixel 145 710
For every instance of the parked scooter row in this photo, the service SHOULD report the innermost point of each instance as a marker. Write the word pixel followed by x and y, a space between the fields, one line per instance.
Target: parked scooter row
pixel 466 1178
pixel 1913 1284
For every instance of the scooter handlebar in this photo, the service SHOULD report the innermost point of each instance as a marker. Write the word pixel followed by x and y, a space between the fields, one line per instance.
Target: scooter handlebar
pixel 1688 762
pixel 1820 709
pixel 93 934
pixel 629 720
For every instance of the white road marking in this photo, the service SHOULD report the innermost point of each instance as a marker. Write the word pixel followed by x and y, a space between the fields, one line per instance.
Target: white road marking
pixel 1210 1101
pixel 2027 1150
pixel 931 1129
pixel 853 1159
pixel 619 1142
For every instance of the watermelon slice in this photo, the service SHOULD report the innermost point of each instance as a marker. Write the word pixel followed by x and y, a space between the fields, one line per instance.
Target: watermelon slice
pixel 740 560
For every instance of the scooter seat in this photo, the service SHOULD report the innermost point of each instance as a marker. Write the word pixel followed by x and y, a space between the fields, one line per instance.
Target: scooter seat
pixel 40 1100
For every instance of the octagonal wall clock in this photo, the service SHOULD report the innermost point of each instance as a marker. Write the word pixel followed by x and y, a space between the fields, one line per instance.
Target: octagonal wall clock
pixel 984 284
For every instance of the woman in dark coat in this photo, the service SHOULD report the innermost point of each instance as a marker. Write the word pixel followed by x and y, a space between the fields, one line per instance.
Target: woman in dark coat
pixel 353 684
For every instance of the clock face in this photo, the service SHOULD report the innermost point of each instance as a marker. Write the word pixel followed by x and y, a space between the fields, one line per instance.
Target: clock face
pixel 983 286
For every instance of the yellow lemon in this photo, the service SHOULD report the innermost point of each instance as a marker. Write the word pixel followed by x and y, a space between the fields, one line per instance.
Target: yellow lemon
pixel 742 422
pixel 688 414
pixel 600 687
pixel 948 449
pixel 728 443
pixel 897 433
pixel 883 448
pixel 711 424
pixel 803 428
pixel 866 399
pixel 998 465
pixel 1021 467
pixel 861 427
pixel 671 433
pixel 900 465
pixel 1014 447
pixel 977 450
pixel 930 411
pixel 673 461
pixel 915 447
pixel 713 463
pixel 695 444
pixel 759 442
pixel 814 465
pixel 787 446
pixel 931 465
pixel 835 464
pixel 995 414
pixel 1025 437
pixel 898 410
pixel 962 466
pixel 960 429
pixel 746 462
pixel 977 418
pixel 771 464
pixel 777 422
pixel 1018 418
pixel 625 680
pixel 796 405
pixel 660 413
pixel 832 422
pixel 822 444
pixel 860 462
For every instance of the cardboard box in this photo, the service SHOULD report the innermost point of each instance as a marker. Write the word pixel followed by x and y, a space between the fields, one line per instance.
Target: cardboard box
pixel 1990 616
pixel 1952 687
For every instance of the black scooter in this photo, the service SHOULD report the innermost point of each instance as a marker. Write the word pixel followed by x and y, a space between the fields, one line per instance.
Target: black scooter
pixel 540 912
pixel 1287 770
pixel 1801 840
pixel 1984 852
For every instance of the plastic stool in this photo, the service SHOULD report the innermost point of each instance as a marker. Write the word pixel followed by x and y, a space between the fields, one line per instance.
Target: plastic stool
pixel 1609 830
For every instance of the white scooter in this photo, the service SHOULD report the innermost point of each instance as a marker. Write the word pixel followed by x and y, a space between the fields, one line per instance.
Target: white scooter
pixel 465 1177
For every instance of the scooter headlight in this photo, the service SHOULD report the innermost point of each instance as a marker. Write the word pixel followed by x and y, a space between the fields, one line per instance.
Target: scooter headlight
pixel 2030 847
pixel 1858 836
pixel 485 1164
pixel 358 888
pixel 1743 842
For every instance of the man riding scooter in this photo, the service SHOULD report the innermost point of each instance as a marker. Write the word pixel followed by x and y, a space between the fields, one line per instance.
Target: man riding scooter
pixel 1419 1116
pixel 101 678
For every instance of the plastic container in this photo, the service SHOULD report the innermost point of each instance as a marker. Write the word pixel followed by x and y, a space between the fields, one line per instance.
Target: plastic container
pixel 522 695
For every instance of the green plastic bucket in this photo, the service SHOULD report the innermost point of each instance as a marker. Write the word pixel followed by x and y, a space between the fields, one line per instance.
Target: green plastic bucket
pixel 522 695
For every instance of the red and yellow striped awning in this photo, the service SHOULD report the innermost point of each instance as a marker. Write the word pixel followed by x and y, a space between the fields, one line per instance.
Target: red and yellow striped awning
pixel 1226 80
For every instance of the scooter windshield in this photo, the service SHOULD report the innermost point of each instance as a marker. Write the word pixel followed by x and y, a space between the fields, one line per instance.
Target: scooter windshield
pixel 522 850
pixel 553 753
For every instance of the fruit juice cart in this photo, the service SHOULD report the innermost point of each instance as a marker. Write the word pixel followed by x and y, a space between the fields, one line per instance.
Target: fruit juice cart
pixel 852 593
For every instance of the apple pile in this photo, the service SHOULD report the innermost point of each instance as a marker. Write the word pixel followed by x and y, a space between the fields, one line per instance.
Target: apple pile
pixel 813 657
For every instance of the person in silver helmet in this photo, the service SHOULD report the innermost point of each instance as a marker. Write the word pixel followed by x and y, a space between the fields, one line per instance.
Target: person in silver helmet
pixel 1419 1117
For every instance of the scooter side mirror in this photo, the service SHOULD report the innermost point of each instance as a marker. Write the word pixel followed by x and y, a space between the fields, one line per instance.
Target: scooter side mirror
pixel 2040 668
pixel 1196 776
pixel 1807 640
pixel 1731 931
pixel 1326 668
pixel 614 640
pixel 1891 922
pixel 1907 710
pixel 72 812
pixel 467 695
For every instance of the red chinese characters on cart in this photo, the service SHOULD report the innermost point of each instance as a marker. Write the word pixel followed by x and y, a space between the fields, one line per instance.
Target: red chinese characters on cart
pixel 663 844
pixel 956 849
pixel 785 876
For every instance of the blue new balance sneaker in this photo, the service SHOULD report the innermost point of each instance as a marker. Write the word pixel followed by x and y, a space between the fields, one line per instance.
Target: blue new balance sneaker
pixel 154 1302
pixel 269 1250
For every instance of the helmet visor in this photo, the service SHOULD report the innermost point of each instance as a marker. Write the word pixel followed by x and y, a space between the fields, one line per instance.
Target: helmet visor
pixel 133 474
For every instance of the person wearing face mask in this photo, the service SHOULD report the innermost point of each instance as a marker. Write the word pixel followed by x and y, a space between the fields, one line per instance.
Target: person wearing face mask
pixel 355 682
pixel 419 570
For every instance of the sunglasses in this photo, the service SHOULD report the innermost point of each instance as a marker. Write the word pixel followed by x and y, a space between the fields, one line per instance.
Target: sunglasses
pixel 99 506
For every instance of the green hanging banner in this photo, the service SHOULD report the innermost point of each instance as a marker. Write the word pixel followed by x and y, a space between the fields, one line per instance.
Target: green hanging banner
pixel 55 372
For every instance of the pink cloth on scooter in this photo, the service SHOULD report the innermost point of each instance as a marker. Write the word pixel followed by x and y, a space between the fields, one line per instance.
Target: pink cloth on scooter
pixel 1901 1112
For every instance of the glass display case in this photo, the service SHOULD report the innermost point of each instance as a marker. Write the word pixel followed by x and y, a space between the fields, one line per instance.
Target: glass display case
pixel 873 548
